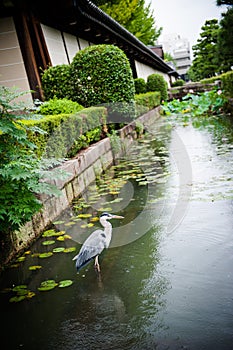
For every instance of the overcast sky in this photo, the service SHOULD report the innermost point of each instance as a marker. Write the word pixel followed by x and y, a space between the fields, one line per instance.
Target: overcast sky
pixel 184 17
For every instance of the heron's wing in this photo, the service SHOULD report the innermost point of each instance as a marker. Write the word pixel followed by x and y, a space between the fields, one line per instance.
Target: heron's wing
pixel 93 246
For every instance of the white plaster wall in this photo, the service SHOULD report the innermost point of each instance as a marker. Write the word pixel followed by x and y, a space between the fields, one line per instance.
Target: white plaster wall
pixel 71 45
pixel 12 69
pixel 143 71
pixel 55 45
pixel 83 43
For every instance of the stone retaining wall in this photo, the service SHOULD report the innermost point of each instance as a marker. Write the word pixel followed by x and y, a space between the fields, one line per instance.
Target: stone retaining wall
pixel 82 170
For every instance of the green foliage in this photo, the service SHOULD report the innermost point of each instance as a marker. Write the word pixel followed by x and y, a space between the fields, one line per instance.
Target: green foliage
pixel 135 15
pixel 55 82
pixel 206 103
pixel 140 85
pixel 227 83
pixel 169 58
pixel 20 171
pixel 101 74
pixel 64 134
pixel 224 2
pixel 226 80
pixel 211 80
pixel 156 82
pixel 146 102
pixel 225 41
pixel 178 82
pixel 59 106
pixel 205 63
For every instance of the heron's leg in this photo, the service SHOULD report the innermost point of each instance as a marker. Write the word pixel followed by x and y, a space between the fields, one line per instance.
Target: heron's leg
pixel 97 265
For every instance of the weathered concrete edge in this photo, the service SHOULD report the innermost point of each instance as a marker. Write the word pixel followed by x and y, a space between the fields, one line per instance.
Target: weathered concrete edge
pixel 82 170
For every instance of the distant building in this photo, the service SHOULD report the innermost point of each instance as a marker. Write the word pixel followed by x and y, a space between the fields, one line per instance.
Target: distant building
pixel 179 48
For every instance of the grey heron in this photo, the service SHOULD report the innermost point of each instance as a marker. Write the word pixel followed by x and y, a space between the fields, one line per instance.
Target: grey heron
pixel 96 242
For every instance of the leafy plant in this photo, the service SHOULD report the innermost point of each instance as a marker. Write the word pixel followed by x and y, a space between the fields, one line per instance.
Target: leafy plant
pixel 101 74
pixel 59 106
pixel 65 134
pixel 140 85
pixel 178 82
pixel 156 82
pixel 55 82
pixel 21 172
pixel 206 103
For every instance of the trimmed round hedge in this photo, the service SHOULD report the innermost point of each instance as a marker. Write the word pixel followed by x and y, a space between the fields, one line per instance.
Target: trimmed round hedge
pixel 55 82
pixel 101 74
pixel 156 82
pixel 140 86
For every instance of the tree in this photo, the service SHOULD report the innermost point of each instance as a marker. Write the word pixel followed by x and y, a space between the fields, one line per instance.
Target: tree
pixel 205 63
pixel 225 41
pixel 135 16
pixel 224 2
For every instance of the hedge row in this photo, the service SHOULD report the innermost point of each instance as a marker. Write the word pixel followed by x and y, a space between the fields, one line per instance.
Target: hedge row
pixel 146 102
pixel 227 82
pixel 155 82
pixel 64 135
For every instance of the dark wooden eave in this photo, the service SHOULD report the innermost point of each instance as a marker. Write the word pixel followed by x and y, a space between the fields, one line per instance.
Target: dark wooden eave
pixel 84 19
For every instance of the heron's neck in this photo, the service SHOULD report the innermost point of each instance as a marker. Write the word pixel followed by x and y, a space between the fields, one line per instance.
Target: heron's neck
pixel 107 226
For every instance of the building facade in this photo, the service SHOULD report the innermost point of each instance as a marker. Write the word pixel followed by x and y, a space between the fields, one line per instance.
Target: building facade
pixel 37 34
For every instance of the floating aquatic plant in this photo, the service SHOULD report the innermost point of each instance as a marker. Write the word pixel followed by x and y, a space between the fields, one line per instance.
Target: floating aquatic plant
pixel 35 267
pixel 22 293
pixel 58 250
pixel 47 285
pixel 65 283
pixel 48 242
pixel 45 255
pixel 69 250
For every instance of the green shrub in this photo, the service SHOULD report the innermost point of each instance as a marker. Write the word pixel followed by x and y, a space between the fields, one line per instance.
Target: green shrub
pixel 20 171
pixel 59 106
pixel 140 85
pixel 66 134
pixel 55 82
pixel 210 80
pixel 227 83
pixel 101 74
pixel 178 82
pixel 156 82
pixel 146 102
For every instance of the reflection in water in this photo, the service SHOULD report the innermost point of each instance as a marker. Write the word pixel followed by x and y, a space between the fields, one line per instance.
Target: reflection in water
pixel 158 288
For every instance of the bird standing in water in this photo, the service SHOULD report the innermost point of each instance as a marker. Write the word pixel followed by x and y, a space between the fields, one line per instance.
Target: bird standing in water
pixel 96 242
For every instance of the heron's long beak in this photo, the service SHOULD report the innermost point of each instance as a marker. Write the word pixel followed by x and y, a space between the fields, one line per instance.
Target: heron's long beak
pixel 117 217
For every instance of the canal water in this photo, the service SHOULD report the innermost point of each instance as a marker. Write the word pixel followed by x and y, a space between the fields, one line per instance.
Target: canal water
pixel 166 281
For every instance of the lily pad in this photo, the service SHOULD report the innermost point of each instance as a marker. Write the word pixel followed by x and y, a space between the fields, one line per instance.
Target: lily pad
pixel 63 238
pixel 58 250
pixel 19 287
pixel 48 242
pixel 84 216
pixel 69 250
pixel 59 222
pixel 47 285
pixel 17 298
pixel 21 258
pixel 49 233
pixel 34 267
pixel 45 255
pixel 65 283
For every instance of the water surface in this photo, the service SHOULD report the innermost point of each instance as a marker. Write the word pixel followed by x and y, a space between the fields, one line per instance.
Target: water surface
pixel 167 280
